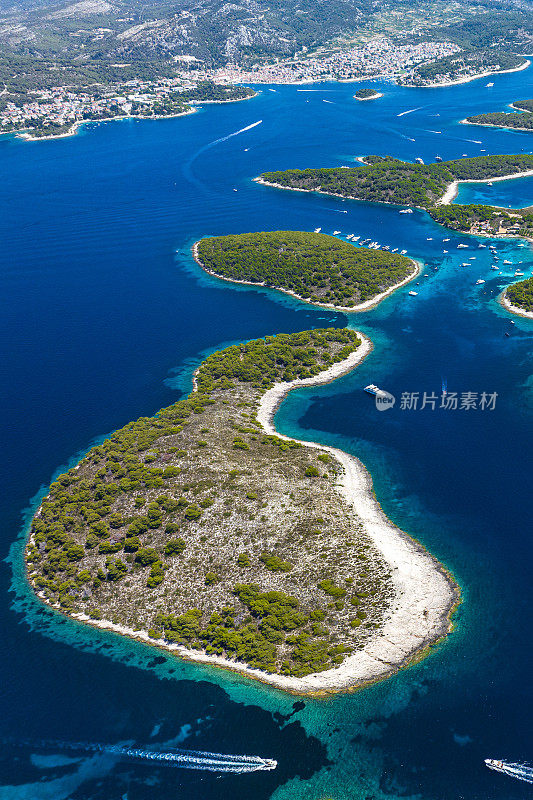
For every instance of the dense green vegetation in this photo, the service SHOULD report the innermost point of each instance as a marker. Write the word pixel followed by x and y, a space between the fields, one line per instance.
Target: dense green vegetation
pixel 365 92
pixel 284 357
pixel 506 119
pixel 521 294
pixel 389 180
pixel 248 552
pixel 462 64
pixel 214 92
pixel 316 267
pixel 487 220
pixel 499 26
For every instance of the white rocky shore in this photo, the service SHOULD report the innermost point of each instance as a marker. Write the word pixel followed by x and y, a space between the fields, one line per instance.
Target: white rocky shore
pixel 426 595
pixel 506 303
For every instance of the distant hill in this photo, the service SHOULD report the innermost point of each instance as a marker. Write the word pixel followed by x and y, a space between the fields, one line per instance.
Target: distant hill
pixel 51 42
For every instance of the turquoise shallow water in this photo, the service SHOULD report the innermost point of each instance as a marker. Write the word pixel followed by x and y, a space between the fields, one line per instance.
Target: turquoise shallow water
pixel 106 316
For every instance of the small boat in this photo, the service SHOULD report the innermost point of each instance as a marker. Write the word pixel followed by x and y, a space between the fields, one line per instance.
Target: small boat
pixel 444 251
pixel 374 390
pixel 403 252
pixel 507 334
pixel 429 239
pixel 413 294
pixel 336 233
pixel 445 240
pixel 355 238
pixel 494 266
pixel 482 245
pixel 489 183
pixel 235 190
pixel 426 275
pixel 488 87
pixel 406 211
pixel 506 261
pixel 419 160
pixel 317 230
pixel 438 158
pixel 518 272
pixel 479 282
pixel 461 245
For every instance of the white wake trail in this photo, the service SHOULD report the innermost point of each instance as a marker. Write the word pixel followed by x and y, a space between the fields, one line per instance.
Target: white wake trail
pixel 186 759
pixel 523 772
pixel 187 169
pixel 410 111
pixel 230 135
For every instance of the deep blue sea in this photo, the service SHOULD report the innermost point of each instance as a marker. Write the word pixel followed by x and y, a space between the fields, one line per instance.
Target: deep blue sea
pixel 104 316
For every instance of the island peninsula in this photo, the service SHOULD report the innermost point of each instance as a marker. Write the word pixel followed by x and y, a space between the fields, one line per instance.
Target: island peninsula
pixel 203 531
pixel 384 179
pixel 314 267
pixel 506 119
pixel 366 93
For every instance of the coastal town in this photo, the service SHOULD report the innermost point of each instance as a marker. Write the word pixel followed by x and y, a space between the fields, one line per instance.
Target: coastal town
pixel 58 111
pixel 380 57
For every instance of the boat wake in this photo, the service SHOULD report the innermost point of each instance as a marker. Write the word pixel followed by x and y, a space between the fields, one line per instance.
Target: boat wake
pixel 186 759
pixel 523 772
pixel 187 168
pixel 410 111
pixel 231 135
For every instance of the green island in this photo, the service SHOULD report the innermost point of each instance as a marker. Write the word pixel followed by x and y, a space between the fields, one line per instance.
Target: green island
pixel 313 266
pixel 507 119
pixel 385 179
pixel 462 66
pixel 366 93
pixel 482 220
pixel 520 295
pixel 203 531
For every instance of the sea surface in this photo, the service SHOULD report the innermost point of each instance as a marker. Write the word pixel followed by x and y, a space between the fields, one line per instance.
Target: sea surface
pixel 104 316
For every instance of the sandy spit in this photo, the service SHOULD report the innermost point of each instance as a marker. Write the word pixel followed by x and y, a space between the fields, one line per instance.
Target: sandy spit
pixel 451 192
pixel 347 309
